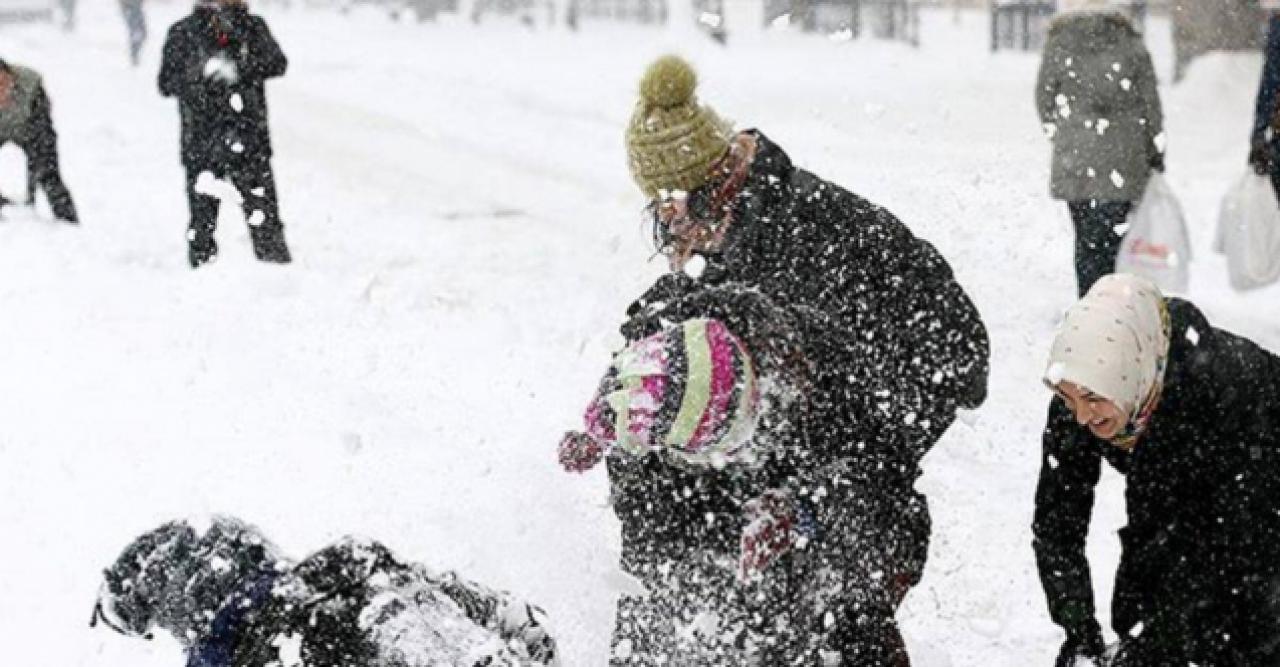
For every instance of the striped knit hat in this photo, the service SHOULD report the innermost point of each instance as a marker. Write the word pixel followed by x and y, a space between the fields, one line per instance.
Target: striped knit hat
pixel 690 389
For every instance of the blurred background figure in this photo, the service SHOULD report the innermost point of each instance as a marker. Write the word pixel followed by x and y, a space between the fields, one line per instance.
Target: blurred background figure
pixel 216 62
pixel 68 14
pixel 135 22
pixel 25 121
pixel 1097 99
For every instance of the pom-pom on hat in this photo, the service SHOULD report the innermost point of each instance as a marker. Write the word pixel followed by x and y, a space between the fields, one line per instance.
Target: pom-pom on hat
pixel 672 141
pixel 691 390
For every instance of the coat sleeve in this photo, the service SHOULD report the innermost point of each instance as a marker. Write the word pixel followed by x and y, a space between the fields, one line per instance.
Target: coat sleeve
pixel 912 337
pixel 263 59
pixel 177 71
pixel 1269 88
pixel 1069 470
pixel 1047 84
pixel 1152 112
pixel 520 624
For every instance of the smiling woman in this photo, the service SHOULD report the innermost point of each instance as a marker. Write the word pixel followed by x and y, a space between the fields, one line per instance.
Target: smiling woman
pixel 1191 416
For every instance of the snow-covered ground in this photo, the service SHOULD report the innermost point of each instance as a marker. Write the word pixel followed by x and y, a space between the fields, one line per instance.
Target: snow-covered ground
pixel 467 236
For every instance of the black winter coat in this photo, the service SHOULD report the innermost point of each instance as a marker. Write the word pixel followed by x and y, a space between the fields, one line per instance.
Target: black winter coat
pixel 905 346
pixel 894 345
pixel 1201 551
pixel 221 122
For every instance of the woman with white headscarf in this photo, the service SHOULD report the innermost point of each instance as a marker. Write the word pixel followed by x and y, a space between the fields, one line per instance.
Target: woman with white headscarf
pixel 1190 415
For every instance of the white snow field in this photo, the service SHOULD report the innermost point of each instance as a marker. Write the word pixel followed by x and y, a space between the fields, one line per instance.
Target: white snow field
pixel 466 237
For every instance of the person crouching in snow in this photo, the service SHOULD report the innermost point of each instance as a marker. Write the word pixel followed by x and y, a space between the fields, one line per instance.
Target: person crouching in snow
pixel 26 121
pixel 1099 102
pixel 216 62
pixel 230 598
pixel 1190 415
pixel 896 345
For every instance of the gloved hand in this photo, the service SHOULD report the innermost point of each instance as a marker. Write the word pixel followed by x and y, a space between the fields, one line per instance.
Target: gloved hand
pixel 1157 162
pixel 221 69
pixel 579 452
pixel 643 314
pixel 1260 158
pixel 1083 646
pixel 775 525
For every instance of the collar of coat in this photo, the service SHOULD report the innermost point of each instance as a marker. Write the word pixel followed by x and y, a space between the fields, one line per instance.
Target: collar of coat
pixel 766 188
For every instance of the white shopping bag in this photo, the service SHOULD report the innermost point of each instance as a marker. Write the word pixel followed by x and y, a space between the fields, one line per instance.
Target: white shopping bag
pixel 1249 233
pixel 1156 245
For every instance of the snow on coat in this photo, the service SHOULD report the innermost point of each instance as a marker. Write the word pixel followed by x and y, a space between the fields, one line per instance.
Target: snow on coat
pixel 1201 552
pixel 229 597
pixel 881 344
pixel 1097 97
pixel 215 61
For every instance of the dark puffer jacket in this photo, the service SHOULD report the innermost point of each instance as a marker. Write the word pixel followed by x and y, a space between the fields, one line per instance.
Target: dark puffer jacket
pixel 903 345
pixel 892 346
pixel 1201 552
pixel 226 595
pixel 221 121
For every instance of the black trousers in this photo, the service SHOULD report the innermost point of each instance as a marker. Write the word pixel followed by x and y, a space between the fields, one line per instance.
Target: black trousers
pixel 1098 238
pixel 254 180
pixel 40 143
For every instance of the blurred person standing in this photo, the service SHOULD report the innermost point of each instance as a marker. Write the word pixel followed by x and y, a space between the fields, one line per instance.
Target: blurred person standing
pixel 26 121
pixel 1097 98
pixel 135 22
pixel 68 14
pixel 216 61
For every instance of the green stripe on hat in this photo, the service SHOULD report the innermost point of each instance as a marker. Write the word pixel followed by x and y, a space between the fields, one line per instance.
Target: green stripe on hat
pixel 744 416
pixel 697 386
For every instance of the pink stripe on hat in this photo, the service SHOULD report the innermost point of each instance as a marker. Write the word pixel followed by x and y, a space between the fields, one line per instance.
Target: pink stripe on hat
pixel 712 424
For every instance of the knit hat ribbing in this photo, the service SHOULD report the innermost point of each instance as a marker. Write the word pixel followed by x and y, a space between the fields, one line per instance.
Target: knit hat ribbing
pixel 672 141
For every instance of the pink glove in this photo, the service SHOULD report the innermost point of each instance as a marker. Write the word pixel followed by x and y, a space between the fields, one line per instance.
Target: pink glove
pixel 579 452
pixel 773 528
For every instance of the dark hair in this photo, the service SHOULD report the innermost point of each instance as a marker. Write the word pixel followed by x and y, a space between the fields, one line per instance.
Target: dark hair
pixel 4 66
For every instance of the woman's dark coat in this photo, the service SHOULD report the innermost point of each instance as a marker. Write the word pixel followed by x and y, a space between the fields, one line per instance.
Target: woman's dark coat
pixel 893 346
pixel 1201 551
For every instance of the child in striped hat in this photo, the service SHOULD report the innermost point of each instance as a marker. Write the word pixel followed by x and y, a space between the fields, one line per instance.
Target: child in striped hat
pixel 690 390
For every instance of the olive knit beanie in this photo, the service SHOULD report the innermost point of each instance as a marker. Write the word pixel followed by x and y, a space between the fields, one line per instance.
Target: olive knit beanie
pixel 672 141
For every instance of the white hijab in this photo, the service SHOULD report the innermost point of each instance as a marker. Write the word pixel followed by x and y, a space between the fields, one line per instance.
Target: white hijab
pixel 1113 342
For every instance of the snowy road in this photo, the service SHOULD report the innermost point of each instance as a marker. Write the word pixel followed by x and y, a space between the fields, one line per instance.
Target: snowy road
pixel 467 237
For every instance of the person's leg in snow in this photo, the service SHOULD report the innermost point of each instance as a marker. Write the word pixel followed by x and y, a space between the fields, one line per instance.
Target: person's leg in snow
pixel 257 186
pixel 870 559
pixel 1098 236
pixel 201 246
pixel 41 147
